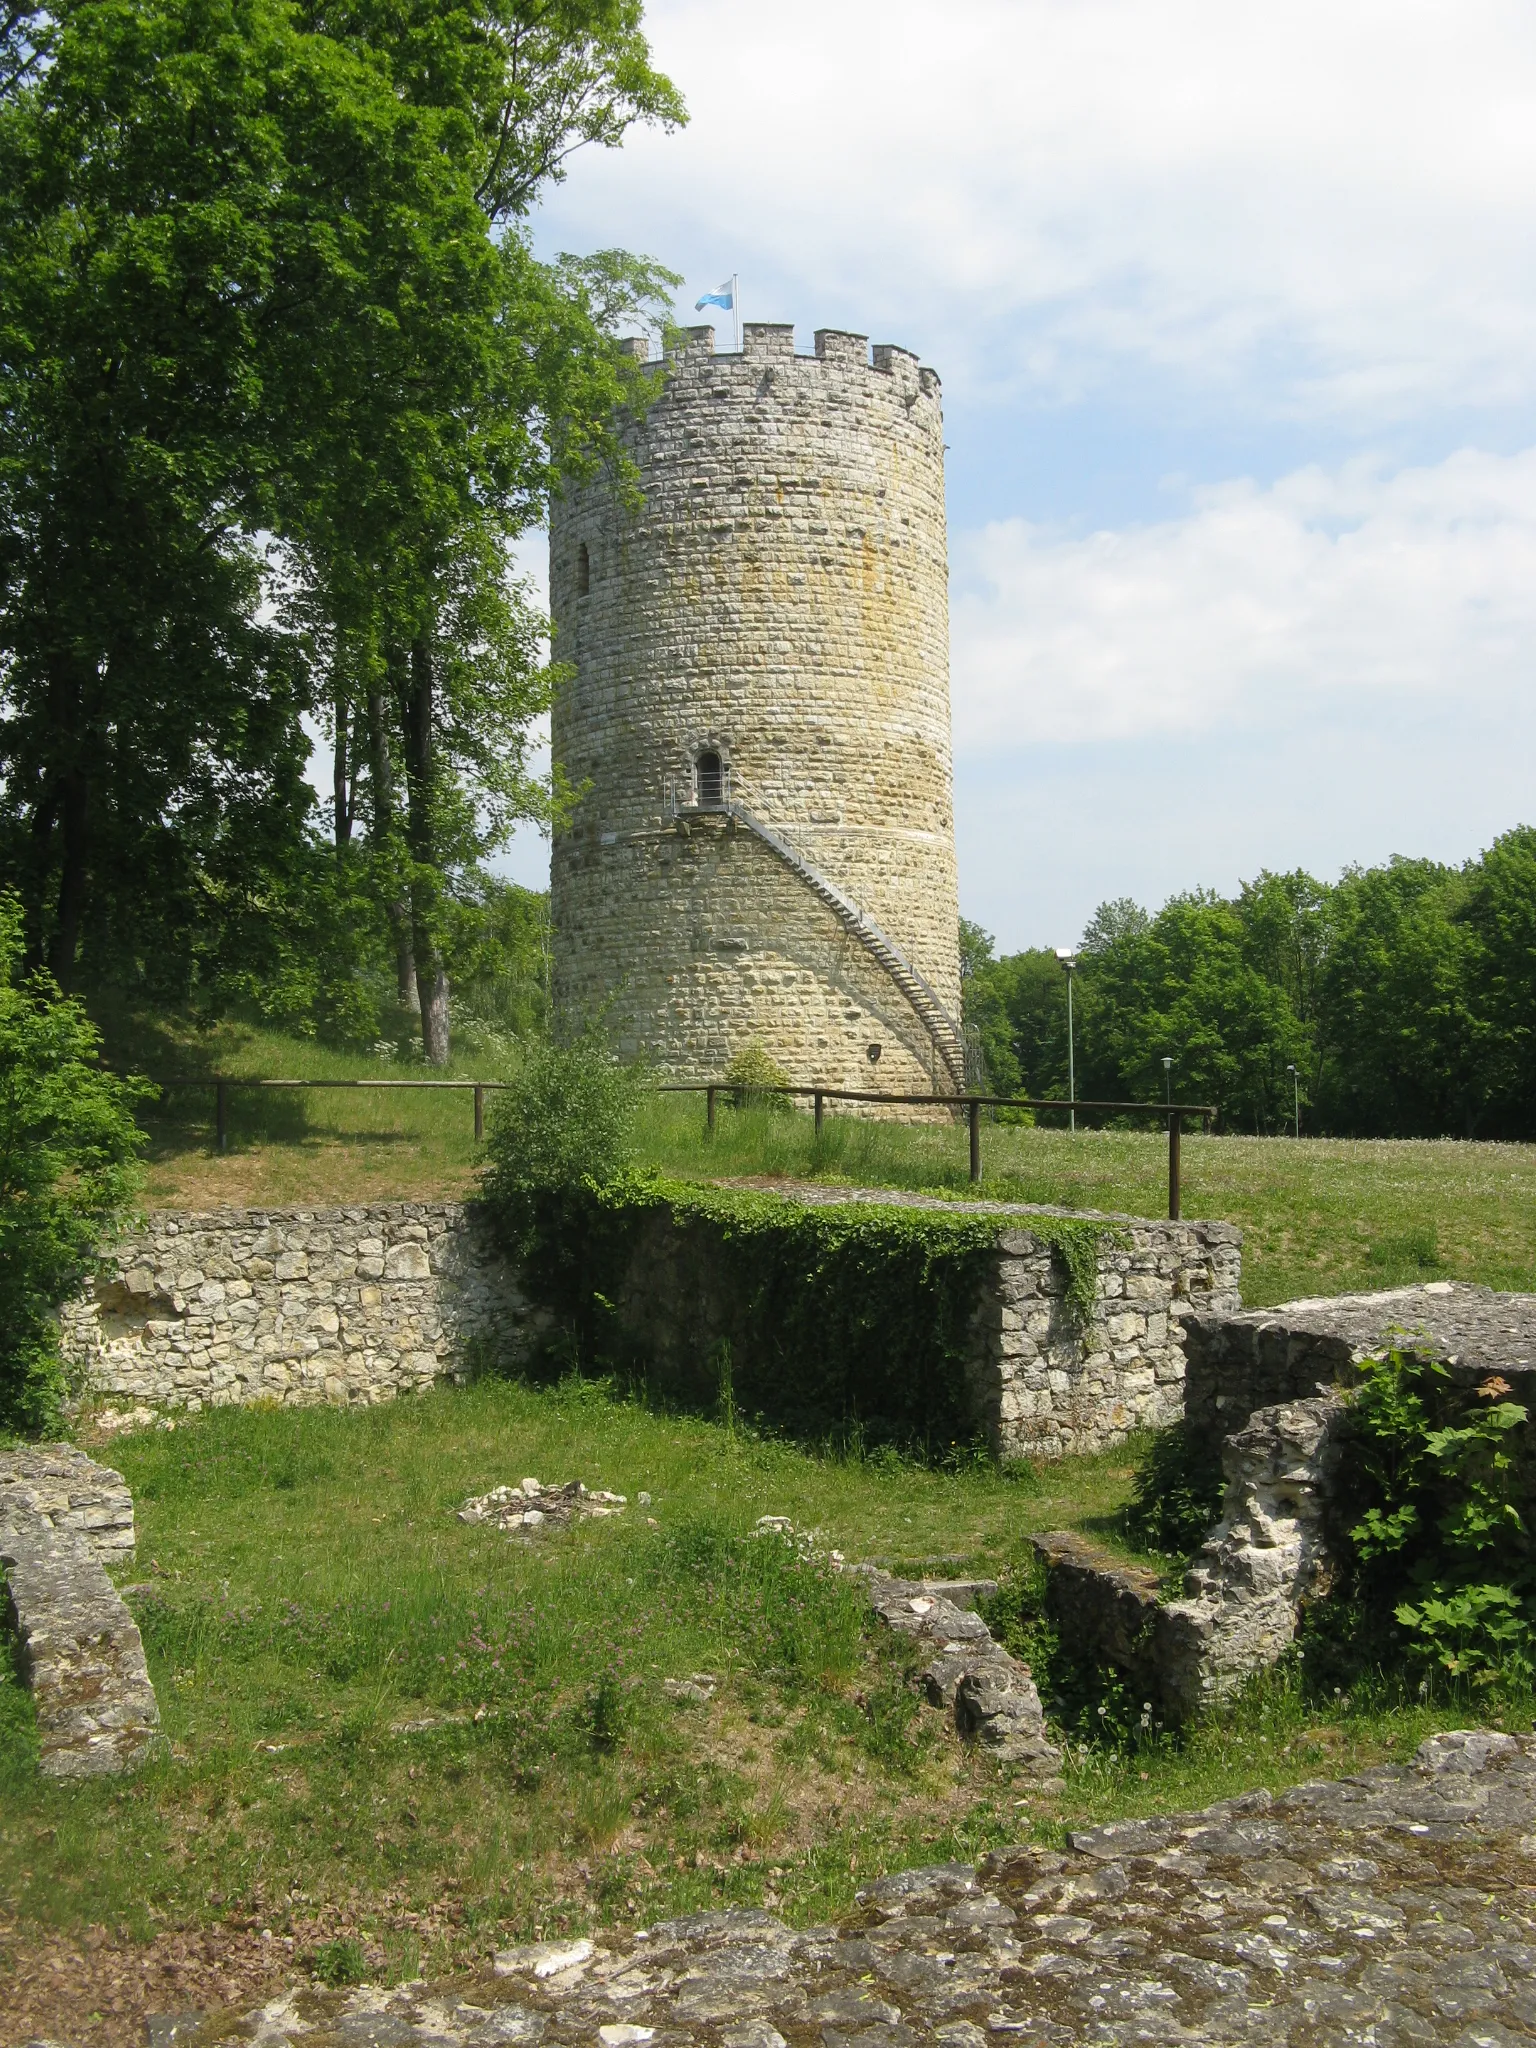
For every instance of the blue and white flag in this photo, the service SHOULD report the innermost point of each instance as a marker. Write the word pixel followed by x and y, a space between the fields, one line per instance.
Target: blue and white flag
pixel 724 297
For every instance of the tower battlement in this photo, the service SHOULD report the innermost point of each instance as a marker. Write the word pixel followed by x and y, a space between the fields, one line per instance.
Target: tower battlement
pixel 758 712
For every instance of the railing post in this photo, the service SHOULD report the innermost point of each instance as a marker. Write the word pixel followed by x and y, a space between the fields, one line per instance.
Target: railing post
pixel 221 1115
pixel 1173 1167
pixel 479 1113
pixel 975 1109
pixel 709 1110
pixel 820 1108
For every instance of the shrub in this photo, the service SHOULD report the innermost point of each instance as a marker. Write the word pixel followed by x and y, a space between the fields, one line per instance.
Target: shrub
pixel 752 1075
pixel 1434 1479
pixel 1175 1495
pixel 567 1120
pixel 68 1173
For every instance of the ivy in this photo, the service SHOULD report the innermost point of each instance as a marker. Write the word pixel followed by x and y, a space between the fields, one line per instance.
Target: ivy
pixel 849 1320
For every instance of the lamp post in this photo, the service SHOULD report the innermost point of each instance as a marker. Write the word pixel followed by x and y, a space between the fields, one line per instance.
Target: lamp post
pixel 1068 959
pixel 1168 1079
pixel 1296 1095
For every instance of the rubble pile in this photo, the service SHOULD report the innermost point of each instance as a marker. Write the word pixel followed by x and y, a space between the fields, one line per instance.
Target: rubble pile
pixel 529 1507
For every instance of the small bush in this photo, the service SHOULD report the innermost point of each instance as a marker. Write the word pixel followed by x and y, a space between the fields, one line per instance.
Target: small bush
pixel 1436 1476
pixel 339 1962
pixel 604 1713
pixel 752 1075
pixel 1175 1495
pixel 68 1172
pixel 568 1119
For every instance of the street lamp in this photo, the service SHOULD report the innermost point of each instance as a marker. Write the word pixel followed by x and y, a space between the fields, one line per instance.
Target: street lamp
pixel 1296 1095
pixel 1068 959
pixel 1168 1078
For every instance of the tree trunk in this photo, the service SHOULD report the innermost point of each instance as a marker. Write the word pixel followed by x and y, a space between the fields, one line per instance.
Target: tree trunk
pixel 341 782
pixel 396 909
pixel 431 974
pixel 75 818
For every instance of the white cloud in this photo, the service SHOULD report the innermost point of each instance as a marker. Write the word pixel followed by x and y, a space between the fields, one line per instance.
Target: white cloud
pixel 1330 202
pixel 1327 593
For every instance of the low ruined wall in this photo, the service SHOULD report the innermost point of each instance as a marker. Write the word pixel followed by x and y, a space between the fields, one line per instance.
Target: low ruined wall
pixel 350 1305
pixel 358 1305
pixel 1044 1386
pixel 1239 1363
pixel 1038 1381
pixel 64 1520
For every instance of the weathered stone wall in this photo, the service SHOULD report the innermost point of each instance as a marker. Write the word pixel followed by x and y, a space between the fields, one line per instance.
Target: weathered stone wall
pixel 1265 1393
pixel 1243 1593
pixel 63 1519
pixel 1047 1387
pixel 360 1304
pixel 295 1305
pixel 778 595
pixel 1039 1383
pixel 1242 1362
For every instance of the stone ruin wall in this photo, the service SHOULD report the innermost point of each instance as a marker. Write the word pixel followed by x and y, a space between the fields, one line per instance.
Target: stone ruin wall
pixel 358 1305
pixel 779 595
pixel 296 1306
pixel 1266 1397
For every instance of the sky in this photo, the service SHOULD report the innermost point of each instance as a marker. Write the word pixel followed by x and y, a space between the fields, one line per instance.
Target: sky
pixel 1235 312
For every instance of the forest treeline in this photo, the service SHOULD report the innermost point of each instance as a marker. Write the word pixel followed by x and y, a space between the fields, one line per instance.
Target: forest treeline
pixel 1404 996
pixel 281 379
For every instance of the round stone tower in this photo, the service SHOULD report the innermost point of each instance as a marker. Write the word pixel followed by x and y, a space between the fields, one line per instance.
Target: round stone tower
pixel 758 720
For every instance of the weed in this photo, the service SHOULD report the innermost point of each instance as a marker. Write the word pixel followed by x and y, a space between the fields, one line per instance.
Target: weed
pixel 339 1962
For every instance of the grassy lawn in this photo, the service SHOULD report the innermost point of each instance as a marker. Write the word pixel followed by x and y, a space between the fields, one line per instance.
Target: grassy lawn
pixel 391 1728
pixel 1321 1216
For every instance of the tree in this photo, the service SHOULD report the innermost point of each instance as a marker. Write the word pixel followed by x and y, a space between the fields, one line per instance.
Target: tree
pixel 453 380
pixel 138 681
pixel 1401 1033
pixel 68 1171
pixel 1181 985
pixel 251 282
pixel 1500 920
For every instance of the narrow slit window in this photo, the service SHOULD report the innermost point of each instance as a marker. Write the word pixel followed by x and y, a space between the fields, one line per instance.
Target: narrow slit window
pixel 583 570
pixel 710 777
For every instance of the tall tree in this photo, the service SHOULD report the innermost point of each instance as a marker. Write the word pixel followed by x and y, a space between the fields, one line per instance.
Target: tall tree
pixel 136 167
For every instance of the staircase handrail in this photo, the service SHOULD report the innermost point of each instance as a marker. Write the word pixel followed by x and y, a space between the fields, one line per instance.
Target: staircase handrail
pixel 855 914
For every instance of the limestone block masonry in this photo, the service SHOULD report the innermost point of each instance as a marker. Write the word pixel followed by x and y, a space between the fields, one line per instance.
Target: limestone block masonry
pixel 1238 1363
pixel 358 1305
pixel 349 1305
pixel 1038 1383
pixel 63 1520
pixel 1391 1907
pixel 763 624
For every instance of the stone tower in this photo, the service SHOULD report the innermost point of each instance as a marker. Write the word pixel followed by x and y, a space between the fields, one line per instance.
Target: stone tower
pixel 759 718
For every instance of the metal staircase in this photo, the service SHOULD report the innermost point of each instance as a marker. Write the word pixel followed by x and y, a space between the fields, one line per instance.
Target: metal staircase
pixel 924 999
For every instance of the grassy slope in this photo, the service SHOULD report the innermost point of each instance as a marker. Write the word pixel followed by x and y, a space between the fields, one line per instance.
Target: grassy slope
pixel 1320 1216
pixel 389 1724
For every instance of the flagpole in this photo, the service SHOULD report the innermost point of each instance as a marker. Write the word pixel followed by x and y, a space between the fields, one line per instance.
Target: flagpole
pixel 736 308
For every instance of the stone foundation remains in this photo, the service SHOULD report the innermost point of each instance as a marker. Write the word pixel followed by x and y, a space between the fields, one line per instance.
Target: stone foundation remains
pixel 1268 1552
pixel 63 1519
pixel 361 1304
pixel 295 1305
pixel 1243 1592
pixel 1393 1907
pixel 1038 1383
pixel 1240 1362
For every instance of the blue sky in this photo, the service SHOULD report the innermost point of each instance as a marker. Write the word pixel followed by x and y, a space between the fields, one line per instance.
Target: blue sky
pixel 1235 311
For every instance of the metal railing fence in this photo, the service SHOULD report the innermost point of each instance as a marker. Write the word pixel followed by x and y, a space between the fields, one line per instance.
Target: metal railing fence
pixel 970 1105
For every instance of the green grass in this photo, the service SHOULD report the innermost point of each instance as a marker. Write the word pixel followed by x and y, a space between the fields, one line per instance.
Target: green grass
pixel 448 1740
pixel 1320 1216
